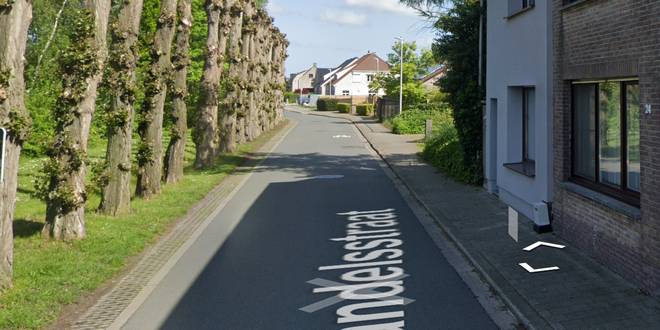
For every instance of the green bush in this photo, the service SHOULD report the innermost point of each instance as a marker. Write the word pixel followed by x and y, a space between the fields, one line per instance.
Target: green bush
pixel 291 97
pixel 364 109
pixel 413 120
pixel 444 151
pixel 326 104
pixel 344 107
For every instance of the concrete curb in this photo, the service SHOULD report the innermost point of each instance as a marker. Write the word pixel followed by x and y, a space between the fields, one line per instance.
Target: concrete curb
pixel 447 231
pixel 116 307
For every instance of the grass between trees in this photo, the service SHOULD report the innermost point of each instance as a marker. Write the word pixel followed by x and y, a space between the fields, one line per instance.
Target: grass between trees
pixel 51 274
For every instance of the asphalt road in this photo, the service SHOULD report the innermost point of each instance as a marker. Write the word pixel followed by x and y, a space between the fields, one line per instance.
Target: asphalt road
pixel 298 259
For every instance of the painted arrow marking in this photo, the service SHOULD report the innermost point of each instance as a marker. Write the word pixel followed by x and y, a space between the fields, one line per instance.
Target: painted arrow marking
pixel 539 243
pixel 532 270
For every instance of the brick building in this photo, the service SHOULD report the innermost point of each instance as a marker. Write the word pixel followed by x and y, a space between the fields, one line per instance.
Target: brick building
pixel 607 133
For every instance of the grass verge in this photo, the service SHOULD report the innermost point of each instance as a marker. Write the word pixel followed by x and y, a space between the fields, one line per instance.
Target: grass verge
pixel 49 275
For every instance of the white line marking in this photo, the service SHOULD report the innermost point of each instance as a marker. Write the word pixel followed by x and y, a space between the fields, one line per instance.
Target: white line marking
pixel 532 270
pixel 539 243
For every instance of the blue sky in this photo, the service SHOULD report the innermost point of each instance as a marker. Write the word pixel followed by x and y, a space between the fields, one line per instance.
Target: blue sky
pixel 330 31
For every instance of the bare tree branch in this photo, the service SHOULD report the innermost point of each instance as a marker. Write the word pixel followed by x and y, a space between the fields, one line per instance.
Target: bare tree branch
pixel 50 40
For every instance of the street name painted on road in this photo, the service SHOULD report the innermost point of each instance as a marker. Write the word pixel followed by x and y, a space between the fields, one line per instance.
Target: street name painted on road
pixel 371 277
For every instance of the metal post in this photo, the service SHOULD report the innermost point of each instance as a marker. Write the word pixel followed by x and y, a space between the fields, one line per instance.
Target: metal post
pixel 401 76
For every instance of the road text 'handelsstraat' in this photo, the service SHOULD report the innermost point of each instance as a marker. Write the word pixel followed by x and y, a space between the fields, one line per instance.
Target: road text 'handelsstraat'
pixel 373 277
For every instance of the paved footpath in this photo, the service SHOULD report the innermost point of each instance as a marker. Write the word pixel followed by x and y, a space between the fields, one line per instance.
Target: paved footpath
pixel 582 294
pixel 323 239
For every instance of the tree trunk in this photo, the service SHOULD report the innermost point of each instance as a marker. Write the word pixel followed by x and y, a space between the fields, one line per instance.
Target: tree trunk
pixel 181 60
pixel 248 29
pixel 206 131
pixel 150 153
pixel 14 22
pixel 232 103
pixel 82 68
pixel 116 190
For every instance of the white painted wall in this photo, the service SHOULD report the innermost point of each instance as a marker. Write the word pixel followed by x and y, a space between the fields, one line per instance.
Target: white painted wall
pixel 519 54
pixel 357 83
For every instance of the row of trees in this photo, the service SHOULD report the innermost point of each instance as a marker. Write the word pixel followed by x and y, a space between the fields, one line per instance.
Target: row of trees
pixel 243 60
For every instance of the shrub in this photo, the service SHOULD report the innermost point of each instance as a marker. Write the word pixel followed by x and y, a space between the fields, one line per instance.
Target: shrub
pixel 326 104
pixel 291 97
pixel 344 107
pixel 444 151
pixel 413 121
pixel 365 109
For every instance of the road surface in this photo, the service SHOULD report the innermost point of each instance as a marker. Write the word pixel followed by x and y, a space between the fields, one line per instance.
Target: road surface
pixel 322 240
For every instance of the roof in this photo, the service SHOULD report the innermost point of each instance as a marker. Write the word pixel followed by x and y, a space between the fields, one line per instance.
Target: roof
pixel 328 77
pixel 366 62
pixel 437 73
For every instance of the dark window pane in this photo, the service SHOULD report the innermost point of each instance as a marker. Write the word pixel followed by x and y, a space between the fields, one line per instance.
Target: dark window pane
pixel 529 115
pixel 633 121
pixel 610 133
pixel 584 107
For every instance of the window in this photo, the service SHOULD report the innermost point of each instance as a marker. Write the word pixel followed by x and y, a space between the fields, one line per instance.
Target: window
pixel 522 132
pixel 370 77
pixel 516 6
pixel 311 75
pixel 606 132
pixel 528 116
pixel 345 93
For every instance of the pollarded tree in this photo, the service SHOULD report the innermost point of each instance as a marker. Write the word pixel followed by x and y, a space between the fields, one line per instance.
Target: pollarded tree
pixel 15 17
pixel 181 60
pixel 116 191
pixel 245 66
pixel 81 66
pixel 232 103
pixel 150 128
pixel 206 130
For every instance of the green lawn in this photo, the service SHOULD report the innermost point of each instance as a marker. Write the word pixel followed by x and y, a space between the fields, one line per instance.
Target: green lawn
pixel 49 275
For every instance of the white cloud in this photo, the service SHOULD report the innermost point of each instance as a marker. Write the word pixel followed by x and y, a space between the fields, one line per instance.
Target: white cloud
pixel 344 17
pixel 393 6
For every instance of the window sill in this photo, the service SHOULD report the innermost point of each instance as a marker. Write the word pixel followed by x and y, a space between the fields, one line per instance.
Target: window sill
pixel 628 210
pixel 519 12
pixel 574 4
pixel 526 168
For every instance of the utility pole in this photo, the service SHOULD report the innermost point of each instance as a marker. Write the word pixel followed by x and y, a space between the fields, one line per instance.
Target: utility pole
pixel 400 76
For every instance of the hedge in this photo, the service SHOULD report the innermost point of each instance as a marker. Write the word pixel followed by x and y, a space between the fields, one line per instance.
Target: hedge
pixel 344 107
pixel 291 97
pixel 326 104
pixel 413 120
pixel 364 109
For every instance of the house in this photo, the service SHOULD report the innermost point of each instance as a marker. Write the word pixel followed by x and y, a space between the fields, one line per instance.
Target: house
pixel 518 164
pixel 308 81
pixel 607 133
pixel 353 77
pixel 430 81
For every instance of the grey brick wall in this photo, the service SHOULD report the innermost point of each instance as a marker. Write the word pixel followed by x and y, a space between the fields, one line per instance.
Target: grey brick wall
pixel 597 39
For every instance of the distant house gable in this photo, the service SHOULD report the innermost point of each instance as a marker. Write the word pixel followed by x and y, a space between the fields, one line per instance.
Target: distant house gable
pixel 430 80
pixel 369 62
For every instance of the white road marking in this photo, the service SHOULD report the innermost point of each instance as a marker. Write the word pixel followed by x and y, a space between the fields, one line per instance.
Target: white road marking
pixel 532 270
pixel 341 136
pixel 539 243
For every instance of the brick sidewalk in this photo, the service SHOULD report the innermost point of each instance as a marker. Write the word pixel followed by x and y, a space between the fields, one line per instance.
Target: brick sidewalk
pixel 581 295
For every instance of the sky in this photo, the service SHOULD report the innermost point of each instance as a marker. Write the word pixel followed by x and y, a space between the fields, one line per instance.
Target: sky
pixel 328 32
